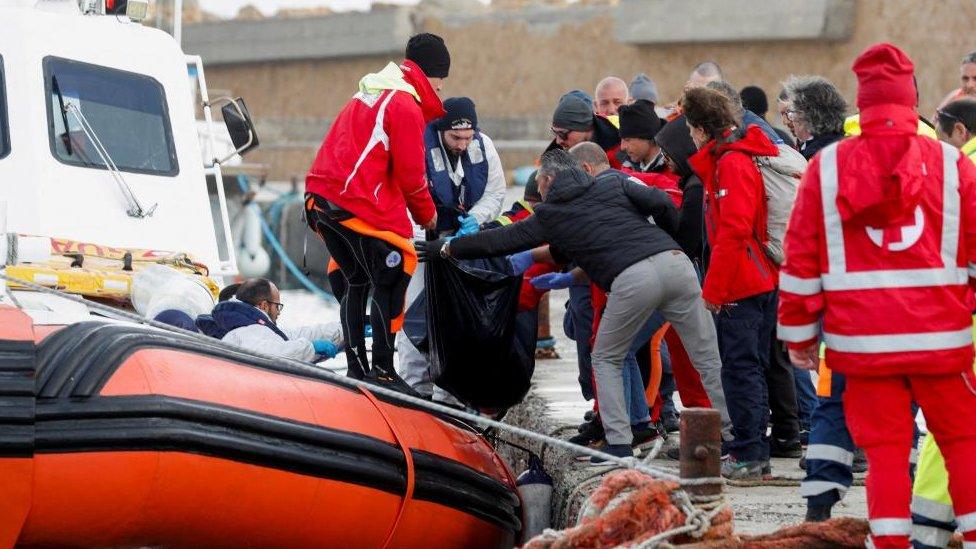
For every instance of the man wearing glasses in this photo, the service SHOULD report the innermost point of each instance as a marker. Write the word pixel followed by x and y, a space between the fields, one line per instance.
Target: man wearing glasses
pixel 956 124
pixel 574 122
pixel 250 321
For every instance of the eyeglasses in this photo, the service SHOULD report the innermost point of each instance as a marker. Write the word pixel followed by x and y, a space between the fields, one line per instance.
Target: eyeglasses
pixel 280 305
pixel 560 133
pixel 950 116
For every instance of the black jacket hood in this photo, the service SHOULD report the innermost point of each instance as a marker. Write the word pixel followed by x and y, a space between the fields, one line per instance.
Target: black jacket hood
pixel 675 140
pixel 568 185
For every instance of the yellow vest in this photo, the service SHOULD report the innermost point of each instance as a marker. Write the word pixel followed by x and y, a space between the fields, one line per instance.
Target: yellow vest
pixel 969 149
pixel 852 126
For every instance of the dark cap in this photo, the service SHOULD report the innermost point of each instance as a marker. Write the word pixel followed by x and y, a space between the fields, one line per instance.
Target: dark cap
pixel 573 113
pixel 430 53
pixel 754 99
pixel 459 115
pixel 639 120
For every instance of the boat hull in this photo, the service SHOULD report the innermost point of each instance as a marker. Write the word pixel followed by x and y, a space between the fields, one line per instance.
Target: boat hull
pixel 135 437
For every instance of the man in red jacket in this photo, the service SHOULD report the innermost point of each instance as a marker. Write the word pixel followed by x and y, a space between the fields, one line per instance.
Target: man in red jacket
pixel 881 250
pixel 368 173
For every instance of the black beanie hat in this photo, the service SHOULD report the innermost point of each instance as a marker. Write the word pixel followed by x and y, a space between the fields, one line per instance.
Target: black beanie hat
pixel 639 120
pixel 459 115
pixel 754 99
pixel 430 54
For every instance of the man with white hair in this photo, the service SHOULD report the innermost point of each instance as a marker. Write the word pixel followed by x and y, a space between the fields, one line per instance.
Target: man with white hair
pixel 610 94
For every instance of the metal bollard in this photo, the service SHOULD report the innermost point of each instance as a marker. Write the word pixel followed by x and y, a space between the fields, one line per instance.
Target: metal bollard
pixel 701 448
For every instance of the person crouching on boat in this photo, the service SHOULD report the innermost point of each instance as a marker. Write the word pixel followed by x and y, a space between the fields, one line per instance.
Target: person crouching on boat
pixel 368 173
pixel 249 320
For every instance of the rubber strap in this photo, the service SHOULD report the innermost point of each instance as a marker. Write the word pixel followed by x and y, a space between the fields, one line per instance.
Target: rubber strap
pixel 657 366
pixel 408 457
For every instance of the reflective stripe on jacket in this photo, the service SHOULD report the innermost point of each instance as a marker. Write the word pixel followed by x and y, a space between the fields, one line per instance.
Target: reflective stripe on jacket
pixel 893 300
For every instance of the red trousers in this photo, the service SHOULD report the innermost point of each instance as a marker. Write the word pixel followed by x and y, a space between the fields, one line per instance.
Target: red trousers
pixel 686 378
pixel 880 419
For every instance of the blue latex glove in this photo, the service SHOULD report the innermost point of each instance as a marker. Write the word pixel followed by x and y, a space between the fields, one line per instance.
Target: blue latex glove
pixel 521 261
pixel 469 225
pixel 368 332
pixel 326 348
pixel 553 281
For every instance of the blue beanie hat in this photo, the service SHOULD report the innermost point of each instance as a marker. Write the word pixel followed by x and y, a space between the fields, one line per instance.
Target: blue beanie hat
pixel 175 317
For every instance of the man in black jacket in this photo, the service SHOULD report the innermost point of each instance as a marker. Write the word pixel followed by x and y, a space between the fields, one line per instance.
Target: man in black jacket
pixel 604 228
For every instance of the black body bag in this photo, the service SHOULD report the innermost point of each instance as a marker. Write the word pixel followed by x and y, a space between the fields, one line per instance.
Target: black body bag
pixel 476 352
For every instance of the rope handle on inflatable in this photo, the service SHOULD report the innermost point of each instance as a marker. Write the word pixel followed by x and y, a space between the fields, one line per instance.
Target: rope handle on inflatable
pixel 624 462
pixel 408 457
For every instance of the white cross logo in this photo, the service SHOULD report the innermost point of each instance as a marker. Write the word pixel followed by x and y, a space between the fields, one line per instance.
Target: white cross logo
pixel 909 234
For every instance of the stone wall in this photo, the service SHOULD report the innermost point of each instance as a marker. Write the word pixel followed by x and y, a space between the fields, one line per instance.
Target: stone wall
pixel 515 64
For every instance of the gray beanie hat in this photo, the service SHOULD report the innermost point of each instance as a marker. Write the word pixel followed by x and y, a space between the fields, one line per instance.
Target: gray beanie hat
pixel 573 113
pixel 642 87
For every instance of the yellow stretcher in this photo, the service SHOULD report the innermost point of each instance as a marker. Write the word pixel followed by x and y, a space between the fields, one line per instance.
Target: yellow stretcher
pixel 101 271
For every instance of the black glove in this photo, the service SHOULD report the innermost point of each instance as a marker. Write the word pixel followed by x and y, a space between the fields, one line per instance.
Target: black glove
pixel 429 250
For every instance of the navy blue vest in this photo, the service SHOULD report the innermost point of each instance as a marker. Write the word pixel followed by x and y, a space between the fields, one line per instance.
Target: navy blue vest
pixel 442 187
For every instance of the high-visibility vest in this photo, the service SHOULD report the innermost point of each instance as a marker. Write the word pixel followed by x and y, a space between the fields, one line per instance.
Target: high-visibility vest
pixel 969 149
pixel 852 126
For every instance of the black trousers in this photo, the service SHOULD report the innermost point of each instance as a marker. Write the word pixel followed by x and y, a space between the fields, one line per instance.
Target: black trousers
pixel 782 392
pixel 374 276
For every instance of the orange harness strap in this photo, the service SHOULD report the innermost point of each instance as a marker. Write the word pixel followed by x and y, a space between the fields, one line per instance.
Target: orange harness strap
pixel 390 237
pixel 358 225
pixel 823 380
pixel 408 457
pixel 657 368
pixel 395 240
pixel 404 245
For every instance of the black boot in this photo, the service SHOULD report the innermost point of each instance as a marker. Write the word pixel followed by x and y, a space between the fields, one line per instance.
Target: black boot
pixel 818 513
pixel 356 367
pixel 384 375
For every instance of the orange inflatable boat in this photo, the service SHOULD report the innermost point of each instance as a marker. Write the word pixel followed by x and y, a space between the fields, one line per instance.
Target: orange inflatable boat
pixel 118 435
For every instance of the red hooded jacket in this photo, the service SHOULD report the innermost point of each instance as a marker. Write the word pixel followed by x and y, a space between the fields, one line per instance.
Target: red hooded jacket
pixel 881 245
pixel 735 214
pixel 372 160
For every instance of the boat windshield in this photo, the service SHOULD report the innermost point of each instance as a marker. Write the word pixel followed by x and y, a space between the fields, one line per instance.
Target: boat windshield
pixel 125 114
pixel 4 130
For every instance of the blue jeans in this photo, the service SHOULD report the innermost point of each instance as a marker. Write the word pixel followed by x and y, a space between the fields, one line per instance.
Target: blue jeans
pixel 634 395
pixel 578 325
pixel 806 397
pixel 744 332
pixel 668 386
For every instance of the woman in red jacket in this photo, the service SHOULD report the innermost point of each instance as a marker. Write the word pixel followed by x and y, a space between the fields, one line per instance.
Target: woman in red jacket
pixel 740 281
pixel 368 173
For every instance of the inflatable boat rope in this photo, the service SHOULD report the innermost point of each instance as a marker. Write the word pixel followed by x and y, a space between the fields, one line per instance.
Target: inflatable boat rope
pixel 698 512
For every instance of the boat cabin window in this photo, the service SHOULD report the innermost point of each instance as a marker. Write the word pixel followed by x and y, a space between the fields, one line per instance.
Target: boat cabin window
pixel 4 130
pixel 104 118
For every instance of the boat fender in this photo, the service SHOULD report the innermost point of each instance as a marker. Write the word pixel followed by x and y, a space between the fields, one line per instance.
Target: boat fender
pixel 535 487
pixel 252 259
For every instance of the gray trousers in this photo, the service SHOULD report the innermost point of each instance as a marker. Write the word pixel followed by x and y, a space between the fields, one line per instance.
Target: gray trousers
pixel 665 282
